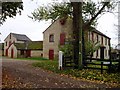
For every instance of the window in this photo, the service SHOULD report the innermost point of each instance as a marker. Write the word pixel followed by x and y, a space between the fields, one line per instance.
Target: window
pixel 6 43
pixel 106 53
pixel 108 41
pixel 105 41
pixel 92 36
pixel 97 39
pixel 102 40
pixel 51 38
pixel 62 38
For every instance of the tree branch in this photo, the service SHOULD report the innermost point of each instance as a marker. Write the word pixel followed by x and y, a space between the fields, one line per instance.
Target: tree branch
pixel 99 12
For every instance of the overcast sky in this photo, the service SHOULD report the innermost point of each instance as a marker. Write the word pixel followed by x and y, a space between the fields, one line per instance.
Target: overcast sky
pixel 21 24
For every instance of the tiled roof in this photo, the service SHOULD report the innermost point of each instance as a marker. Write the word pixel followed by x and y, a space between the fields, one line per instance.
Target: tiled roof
pixel 33 45
pixel 20 37
pixel 98 32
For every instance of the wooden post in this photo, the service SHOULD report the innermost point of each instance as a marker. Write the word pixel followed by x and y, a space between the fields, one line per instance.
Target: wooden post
pixel 63 61
pixel 60 66
pixel 101 67
pixel 80 61
pixel 110 58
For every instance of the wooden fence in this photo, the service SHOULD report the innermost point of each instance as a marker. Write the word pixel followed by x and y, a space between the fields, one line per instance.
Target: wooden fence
pixel 68 61
pixel 111 65
pixel 95 63
pixel 102 64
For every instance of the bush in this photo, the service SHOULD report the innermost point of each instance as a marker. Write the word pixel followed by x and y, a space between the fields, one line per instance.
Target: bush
pixel 113 68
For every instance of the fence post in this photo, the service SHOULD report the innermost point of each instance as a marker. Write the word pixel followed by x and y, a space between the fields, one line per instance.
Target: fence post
pixel 110 57
pixel 109 70
pixel 60 60
pixel 63 61
pixel 101 67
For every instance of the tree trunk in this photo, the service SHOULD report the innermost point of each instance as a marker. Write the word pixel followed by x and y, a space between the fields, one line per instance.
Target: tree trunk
pixel 77 33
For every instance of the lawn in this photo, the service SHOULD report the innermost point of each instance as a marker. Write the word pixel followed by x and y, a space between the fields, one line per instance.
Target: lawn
pixel 87 74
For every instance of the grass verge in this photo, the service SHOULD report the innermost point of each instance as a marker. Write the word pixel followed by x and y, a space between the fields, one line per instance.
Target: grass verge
pixel 87 74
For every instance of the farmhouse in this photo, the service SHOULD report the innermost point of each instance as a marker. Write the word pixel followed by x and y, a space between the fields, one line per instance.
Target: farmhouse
pixel 58 32
pixel 19 45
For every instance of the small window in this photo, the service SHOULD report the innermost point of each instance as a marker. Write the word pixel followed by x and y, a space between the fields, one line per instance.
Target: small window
pixel 92 36
pixel 102 40
pixel 105 41
pixel 62 38
pixel 97 39
pixel 6 43
pixel 51 38
pixel 106 53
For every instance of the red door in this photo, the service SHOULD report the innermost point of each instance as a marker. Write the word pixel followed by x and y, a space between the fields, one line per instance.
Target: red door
pixel 6 52
pixel 51 54
pixel 12 53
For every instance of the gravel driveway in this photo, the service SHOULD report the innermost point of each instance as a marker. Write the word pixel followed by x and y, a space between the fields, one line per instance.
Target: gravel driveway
pixel 32 77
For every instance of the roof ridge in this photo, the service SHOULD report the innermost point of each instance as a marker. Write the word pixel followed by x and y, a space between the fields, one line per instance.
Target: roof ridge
pixel 21 37
pixel 17 34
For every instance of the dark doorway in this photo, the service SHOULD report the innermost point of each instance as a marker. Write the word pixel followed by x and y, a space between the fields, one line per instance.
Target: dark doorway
pixel 12 53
